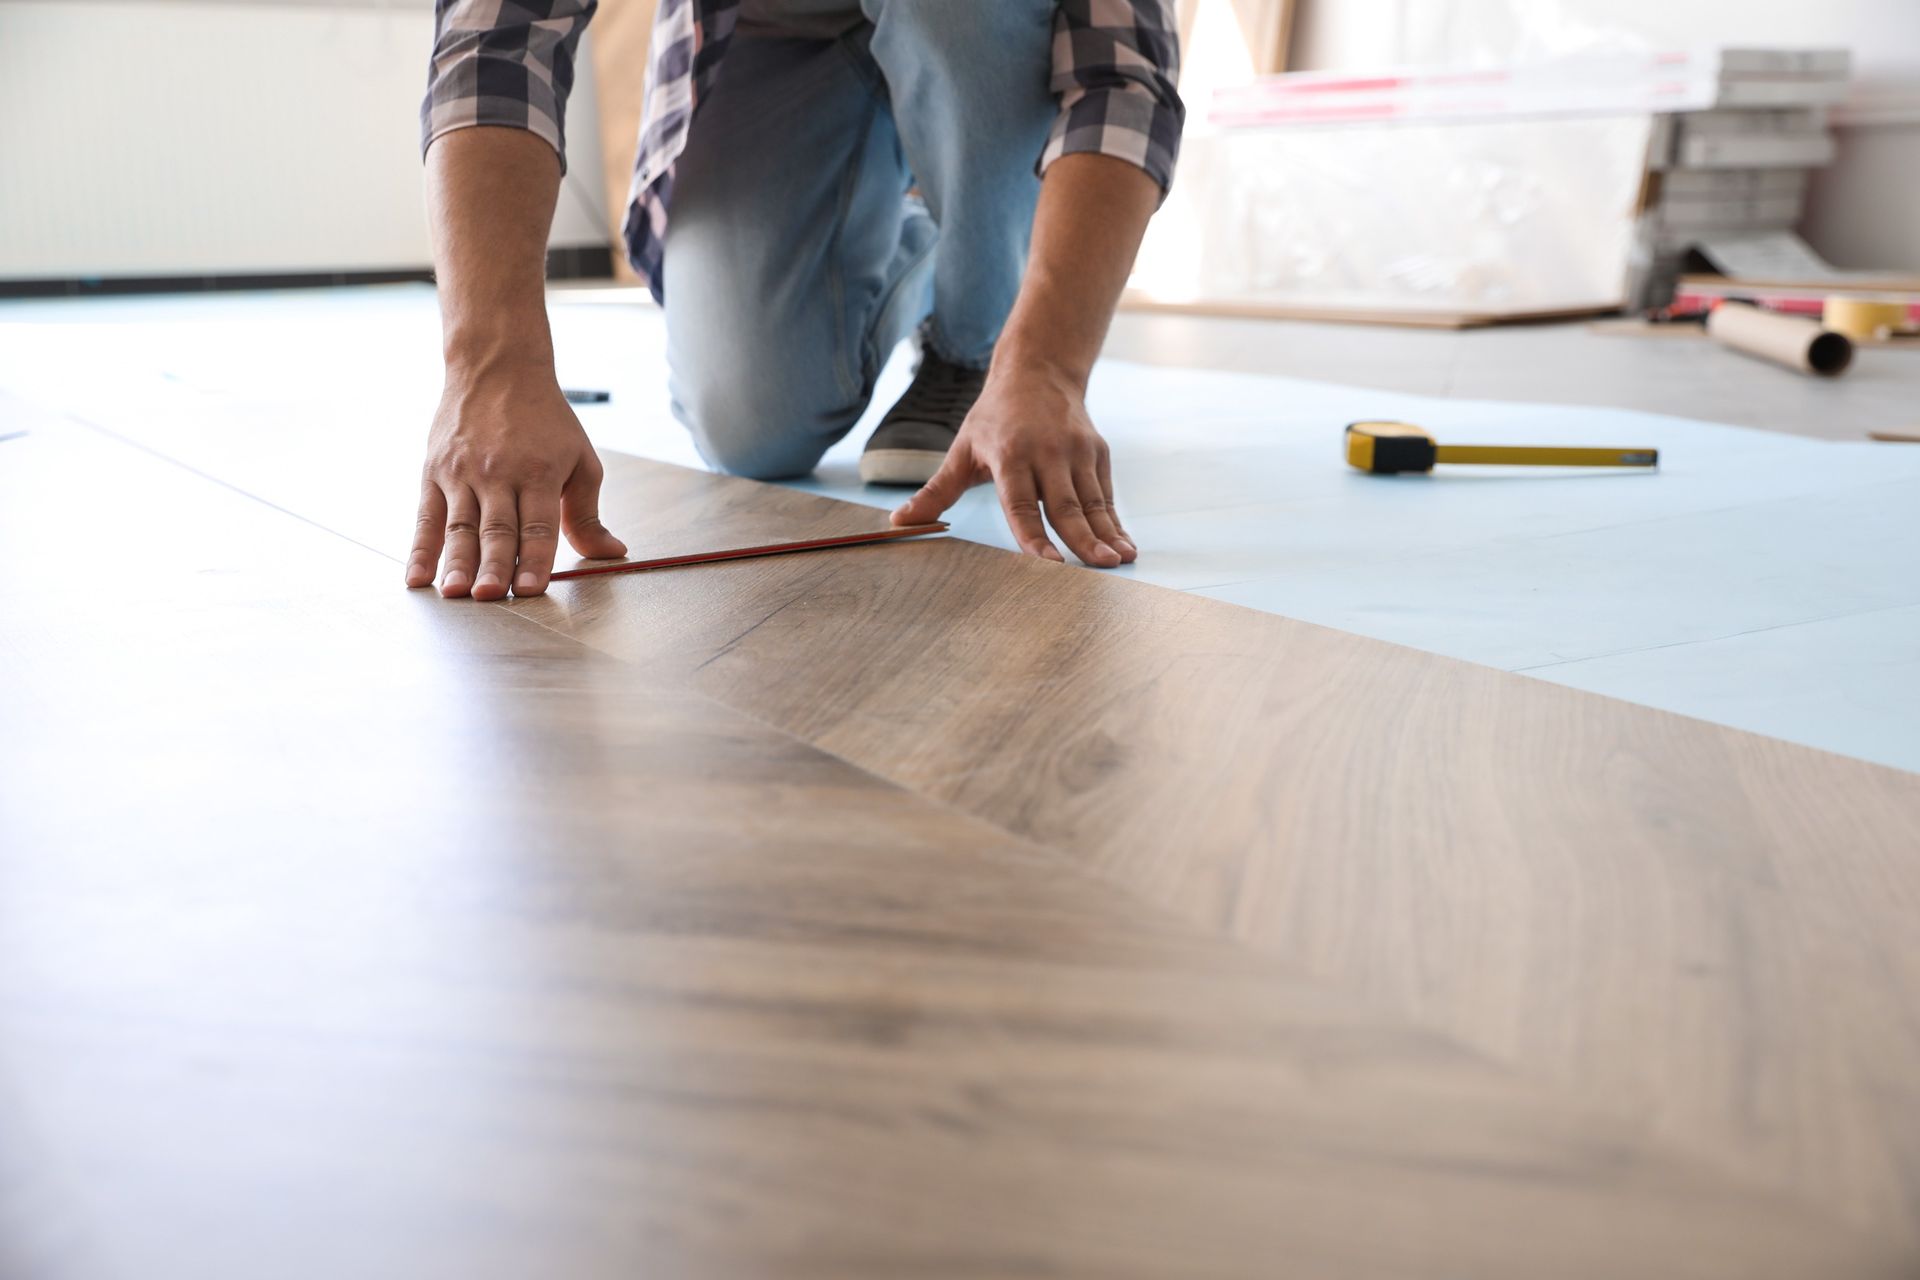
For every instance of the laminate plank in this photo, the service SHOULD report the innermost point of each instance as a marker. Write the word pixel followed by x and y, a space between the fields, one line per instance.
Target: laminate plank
pixel 678 511
pixel 1701 926
pixel 346 931
pixel 359 475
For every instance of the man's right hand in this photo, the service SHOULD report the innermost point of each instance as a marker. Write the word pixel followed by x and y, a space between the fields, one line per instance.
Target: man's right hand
pixel 508 467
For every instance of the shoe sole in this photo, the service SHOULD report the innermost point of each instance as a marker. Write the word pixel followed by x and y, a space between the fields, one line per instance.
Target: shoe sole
pixel 900 466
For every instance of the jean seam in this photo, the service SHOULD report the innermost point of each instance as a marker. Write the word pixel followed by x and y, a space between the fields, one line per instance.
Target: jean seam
pixel 873 358
pixel 853 46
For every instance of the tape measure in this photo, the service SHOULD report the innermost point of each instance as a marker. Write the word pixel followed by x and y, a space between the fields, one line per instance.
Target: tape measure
pixel 1388 448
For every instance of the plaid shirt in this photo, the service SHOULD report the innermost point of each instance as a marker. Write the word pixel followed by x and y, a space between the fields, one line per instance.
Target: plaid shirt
pixel 510 62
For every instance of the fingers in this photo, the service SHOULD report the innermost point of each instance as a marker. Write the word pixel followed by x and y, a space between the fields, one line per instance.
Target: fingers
pixel 580 513
pixel 496 539
pixel 1021 503
pixel 1068 516
pixel 950 483
pixel 429 533
pixel 1102 518
pixel 462 542
pixel 499 543
pixel 1122 541
pixel 539 540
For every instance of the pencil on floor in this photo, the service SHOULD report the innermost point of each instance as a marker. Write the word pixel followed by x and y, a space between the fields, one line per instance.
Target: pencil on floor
pixel 744 553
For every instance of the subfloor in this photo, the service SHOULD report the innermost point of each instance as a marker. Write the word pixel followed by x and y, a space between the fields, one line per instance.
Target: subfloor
pixel 925 909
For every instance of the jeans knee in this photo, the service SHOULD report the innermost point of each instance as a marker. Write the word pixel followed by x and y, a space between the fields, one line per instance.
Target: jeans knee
pixel 753 426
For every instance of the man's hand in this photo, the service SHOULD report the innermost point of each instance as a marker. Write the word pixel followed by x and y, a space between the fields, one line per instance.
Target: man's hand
pixel 508 467
pixel 507 464
pixel 1030 435
pixel 1029 432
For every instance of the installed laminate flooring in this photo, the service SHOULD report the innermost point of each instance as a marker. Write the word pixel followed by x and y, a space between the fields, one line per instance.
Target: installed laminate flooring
pixel 348 931
pixel 1701 926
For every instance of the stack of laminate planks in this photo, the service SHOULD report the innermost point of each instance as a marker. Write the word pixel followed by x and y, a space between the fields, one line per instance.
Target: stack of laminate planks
pixel 1734 136
pixel 1738 169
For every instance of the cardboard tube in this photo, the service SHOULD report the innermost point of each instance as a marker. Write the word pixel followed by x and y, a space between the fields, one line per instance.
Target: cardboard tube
pixel 1792 341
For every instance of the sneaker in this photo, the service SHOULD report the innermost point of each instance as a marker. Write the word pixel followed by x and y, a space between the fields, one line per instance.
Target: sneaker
pixel 912 440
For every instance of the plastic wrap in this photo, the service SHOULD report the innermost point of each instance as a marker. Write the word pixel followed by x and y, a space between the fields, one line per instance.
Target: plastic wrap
pixel 1486 217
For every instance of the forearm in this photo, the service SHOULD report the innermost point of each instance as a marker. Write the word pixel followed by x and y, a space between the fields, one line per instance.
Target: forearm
pixel 508 466
pixel 1093 213
pixel 490 199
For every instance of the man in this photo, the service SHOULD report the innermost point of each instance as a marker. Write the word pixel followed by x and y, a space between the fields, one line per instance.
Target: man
pixel 839 173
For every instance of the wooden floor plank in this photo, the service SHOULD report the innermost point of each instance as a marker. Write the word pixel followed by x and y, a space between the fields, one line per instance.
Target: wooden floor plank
pixel 1682 921
pixel 344 931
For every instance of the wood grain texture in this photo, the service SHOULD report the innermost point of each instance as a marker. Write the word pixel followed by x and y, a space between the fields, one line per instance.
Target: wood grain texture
pixel 1679 921
pixel 345 931
pixel 1676 921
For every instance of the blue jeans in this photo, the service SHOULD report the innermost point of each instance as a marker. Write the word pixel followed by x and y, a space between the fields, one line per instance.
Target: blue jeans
pixel 795 261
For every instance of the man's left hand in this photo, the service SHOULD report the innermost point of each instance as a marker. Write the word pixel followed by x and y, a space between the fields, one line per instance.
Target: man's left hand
pixel 1030 435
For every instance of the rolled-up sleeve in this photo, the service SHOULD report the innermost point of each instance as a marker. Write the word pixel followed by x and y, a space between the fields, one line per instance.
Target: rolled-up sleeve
pixel 503 62
pixel 1114 67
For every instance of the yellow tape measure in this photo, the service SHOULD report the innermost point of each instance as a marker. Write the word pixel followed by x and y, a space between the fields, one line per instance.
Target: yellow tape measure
pixel 1387 448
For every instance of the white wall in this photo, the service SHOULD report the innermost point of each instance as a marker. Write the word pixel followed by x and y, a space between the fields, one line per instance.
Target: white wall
pixel 1861 212
pixel 155 137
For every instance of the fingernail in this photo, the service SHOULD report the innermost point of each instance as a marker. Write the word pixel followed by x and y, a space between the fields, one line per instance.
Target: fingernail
pixel 454 579
pixel 525 582
pixel 488 580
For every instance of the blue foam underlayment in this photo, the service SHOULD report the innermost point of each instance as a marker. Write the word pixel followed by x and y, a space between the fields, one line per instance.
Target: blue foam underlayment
pixel 1759 580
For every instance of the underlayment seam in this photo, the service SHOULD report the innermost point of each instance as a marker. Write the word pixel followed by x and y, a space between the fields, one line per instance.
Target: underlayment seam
pixel 1732 635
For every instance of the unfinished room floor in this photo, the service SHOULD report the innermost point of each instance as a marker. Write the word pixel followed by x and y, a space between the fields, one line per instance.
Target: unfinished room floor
pixel 923 909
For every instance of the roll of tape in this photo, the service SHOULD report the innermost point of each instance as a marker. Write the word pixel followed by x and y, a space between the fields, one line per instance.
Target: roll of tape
pixel 1863 319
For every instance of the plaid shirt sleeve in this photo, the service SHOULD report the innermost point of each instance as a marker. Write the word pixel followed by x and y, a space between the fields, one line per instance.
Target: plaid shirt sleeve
pixel 503 62
pixel 1114 65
